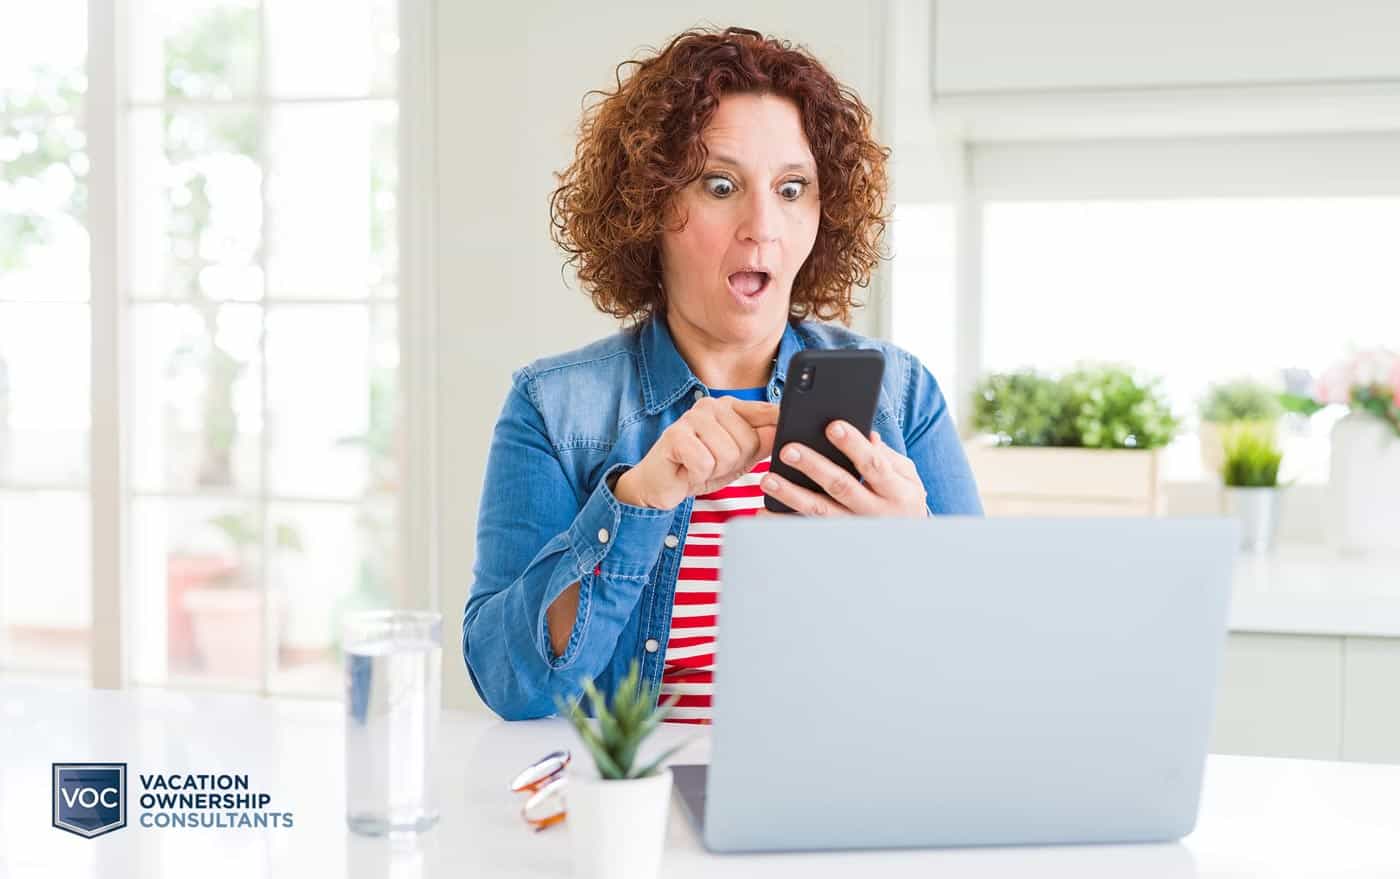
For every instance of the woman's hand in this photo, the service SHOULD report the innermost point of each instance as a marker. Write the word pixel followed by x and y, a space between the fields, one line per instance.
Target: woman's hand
pixel 717 441
pixel 892 485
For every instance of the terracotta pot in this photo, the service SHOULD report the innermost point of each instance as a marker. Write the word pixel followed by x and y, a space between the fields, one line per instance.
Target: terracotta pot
pixel 183 573
pixel 227 629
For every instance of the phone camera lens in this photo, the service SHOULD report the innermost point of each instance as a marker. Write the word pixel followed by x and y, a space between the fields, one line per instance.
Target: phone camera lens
pixel 804 381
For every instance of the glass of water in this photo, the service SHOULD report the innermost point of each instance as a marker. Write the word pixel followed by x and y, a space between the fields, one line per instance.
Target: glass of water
pixel 393 702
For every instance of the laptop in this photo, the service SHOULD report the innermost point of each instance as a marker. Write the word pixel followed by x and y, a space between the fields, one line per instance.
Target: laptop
pixel 961 681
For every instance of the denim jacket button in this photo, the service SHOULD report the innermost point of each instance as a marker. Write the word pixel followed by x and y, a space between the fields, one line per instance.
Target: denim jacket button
pixel 602 535
pixel 777 393
pixel 699 395
pixel 653 645
pixel 672 541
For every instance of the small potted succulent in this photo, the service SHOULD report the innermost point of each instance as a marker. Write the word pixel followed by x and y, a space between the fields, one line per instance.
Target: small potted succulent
pixel 617 821
pixel 1251 457
pixel 1085 443
pixel 1230 402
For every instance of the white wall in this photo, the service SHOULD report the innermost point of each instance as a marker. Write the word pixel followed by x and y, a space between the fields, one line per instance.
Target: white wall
pixel 510 78
pixel 1014 45
pixel 1018 70
pixel 1105 99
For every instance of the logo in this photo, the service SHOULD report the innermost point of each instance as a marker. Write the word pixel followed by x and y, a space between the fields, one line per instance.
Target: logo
pixel 89 799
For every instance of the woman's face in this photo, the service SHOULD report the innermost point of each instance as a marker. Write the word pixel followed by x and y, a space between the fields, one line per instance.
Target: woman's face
pixel 749 224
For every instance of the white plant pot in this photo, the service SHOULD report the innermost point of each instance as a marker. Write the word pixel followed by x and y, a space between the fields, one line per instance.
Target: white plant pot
pixel 618 828
pixel 1257 512
pixel 1363 490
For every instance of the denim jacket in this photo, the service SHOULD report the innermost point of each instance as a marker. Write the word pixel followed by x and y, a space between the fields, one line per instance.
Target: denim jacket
pixel 547 518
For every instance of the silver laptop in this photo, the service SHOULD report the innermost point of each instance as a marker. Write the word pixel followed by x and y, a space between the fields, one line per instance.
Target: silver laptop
pixel 961 681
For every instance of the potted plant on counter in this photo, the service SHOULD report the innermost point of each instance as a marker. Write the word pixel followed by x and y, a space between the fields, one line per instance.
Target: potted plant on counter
pixel 1363 487
pixel 1087 443
pixel 1230 402
pixel 226 613
pixel 617 821
pixel 1251 458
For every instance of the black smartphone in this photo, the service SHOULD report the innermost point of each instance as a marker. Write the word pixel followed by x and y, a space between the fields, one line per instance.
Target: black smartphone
pixel 825 386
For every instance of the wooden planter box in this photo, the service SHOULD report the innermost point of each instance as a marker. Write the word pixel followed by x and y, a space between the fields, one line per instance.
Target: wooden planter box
pixel 1024 481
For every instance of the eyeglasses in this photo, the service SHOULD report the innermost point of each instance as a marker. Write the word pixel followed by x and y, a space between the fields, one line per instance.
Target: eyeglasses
pixel 544 780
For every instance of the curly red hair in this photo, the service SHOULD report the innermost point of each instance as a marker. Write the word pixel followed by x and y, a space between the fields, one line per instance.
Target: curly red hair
pixel 641 144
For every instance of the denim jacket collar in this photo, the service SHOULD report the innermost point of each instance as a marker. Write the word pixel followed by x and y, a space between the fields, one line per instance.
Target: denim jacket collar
pixel 666 376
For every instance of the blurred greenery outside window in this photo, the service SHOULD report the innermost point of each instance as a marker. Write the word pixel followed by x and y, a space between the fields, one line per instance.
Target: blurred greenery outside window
pixel 212 147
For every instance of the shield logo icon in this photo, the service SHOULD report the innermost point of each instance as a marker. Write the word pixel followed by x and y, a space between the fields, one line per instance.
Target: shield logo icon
pixel 89 799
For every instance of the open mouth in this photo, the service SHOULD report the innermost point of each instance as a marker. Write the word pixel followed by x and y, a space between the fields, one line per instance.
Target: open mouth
pixel 749 284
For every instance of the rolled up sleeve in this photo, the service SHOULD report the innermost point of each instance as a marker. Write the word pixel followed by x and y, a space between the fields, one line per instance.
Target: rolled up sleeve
pixel 535 537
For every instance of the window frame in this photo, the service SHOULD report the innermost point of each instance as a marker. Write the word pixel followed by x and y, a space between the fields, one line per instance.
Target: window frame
pixel 1286 165
pixel 105 110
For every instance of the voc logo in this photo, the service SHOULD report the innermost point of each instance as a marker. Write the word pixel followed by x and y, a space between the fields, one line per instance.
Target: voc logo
pixel 89 799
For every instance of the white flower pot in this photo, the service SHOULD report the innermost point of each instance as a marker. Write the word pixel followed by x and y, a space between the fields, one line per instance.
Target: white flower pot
pixel 1256 508
pixel 1363 491
pixel 618 827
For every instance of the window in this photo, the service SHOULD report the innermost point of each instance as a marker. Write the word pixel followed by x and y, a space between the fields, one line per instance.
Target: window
pixel 260 310
pixel 1192 290
pixel 924 291
pixel 45 566
pixel 1194 260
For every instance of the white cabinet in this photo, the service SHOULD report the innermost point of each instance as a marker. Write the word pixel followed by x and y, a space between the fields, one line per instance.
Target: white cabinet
pixel 1280 696
pixel 1320 697
pixel 1371 708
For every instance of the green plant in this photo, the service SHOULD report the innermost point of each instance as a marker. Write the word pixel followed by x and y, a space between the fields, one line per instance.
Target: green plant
pixel 1252 456
pixel 1240 399
pixel 1380 402
pixel 200 60
pixel 1366 381
pixel 37 112
pixel 1114 410
pixel 372 585
pixel 242 531
pixel 221 372
pixel 1023 409
pixel 1305 406
pixel 624 722
pixel 1101 406
pixel 381 435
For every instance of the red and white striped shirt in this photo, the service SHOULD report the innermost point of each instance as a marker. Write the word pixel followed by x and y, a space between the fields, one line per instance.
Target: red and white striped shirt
pixel 690 649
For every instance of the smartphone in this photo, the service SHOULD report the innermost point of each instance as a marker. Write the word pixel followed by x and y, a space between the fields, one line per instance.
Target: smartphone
pixel 825 386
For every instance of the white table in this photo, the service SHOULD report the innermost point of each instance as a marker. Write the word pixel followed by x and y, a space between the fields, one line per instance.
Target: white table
pixel 1260 817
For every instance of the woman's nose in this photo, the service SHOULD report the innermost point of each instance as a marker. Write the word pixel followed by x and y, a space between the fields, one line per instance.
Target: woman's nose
pixel 762 218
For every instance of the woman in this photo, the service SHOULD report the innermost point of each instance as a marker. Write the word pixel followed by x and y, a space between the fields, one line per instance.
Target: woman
pixel 725 193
